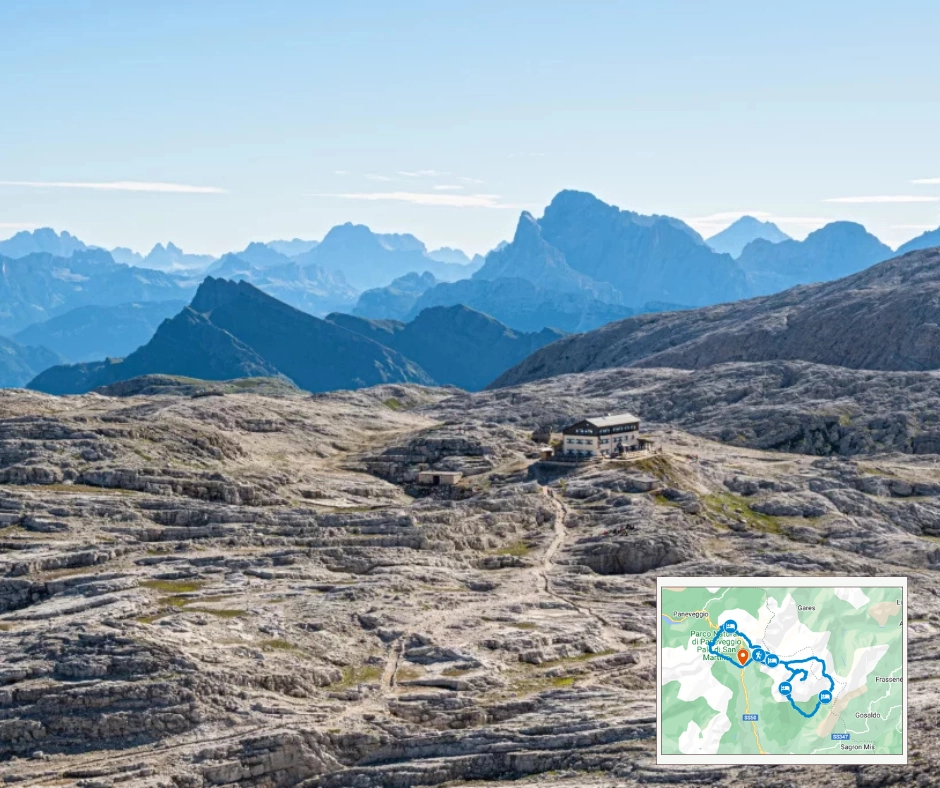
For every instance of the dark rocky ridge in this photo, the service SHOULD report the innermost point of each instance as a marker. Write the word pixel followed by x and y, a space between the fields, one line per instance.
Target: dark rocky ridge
pixel 884 318
pixel 455 345
pixel 233 330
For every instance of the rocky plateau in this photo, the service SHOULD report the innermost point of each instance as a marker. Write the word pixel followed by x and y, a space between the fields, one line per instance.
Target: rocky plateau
pixel 246 586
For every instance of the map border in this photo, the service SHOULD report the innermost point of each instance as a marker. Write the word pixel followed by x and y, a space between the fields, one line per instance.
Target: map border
pixel 775 582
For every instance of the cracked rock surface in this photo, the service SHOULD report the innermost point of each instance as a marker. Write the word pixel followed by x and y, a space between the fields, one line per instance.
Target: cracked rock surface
pixel 249 590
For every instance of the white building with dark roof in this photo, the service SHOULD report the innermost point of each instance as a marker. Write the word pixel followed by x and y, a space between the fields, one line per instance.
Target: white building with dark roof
pixel 602 436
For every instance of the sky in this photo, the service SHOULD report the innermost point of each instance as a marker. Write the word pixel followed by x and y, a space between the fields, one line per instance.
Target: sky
pixel 213 124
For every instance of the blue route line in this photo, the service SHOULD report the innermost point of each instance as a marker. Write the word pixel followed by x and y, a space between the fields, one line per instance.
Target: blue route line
pixel 731 628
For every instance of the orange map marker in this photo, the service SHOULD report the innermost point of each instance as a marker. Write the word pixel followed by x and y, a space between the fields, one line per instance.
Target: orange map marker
pixel 743 654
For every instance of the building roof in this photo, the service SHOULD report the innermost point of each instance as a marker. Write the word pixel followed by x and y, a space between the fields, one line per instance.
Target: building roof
pixel 613 421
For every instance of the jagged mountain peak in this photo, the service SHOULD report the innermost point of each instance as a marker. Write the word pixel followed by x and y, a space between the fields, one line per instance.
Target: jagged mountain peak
pixel 743 231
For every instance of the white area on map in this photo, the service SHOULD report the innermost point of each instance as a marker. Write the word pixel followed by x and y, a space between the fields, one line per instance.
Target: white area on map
pixel 863 663
pixel 695 678
pixel 712 589
pixel 788 638
pixel 854 596
pixel 695 741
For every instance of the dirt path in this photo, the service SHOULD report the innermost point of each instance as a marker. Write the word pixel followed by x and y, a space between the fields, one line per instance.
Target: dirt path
pixel 611 634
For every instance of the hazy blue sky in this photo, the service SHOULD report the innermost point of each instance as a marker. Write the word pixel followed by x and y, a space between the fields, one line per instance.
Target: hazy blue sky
pixel 446 118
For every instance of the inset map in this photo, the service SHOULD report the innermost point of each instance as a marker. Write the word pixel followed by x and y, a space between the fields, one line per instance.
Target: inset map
pixel 815 671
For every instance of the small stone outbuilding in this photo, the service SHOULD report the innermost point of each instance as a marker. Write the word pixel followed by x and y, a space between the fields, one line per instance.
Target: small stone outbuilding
pixel 439 478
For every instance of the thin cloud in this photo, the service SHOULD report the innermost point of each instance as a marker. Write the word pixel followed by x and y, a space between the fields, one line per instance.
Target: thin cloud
pixel 425 198
pixel 119 186
pixel 927 181
pixel 341 172
pixel 384 178
pixel 448 187
pixel 421 173
pixel 17 226
pixel 884 199
pixel 470 180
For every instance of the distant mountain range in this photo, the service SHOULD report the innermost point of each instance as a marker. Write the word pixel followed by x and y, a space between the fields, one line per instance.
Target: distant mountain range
pixel 455 256
pixel 740 233
pixel 886 317
pixel 396 300
pixel 584 245
pixel 41 286
pixel 523 304
pixel 582 265
pixel 368 260
pixel 168 258
pixel 41 241
pixel 19 364
pixel 307 287
pixel 926 241
pixel 836 250
pixel 92 332
pixel 293 247
pixel 232 330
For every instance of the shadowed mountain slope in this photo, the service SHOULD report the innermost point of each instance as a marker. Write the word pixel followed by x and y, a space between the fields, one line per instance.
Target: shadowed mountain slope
pixel 233 330
pixel 886 317
pixel 456 345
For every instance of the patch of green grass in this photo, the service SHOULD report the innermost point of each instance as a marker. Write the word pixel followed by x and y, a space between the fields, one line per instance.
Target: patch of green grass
pixel 408 674
pixel 278 644
pixel 661 500
pixel 661 467
pixel 394 403
pixel 728 505
pixel 218 613
pixel 150 619
pixel 84 489
pixel 541 684
pixel 578 658
pixel 352 675
pixel 442 589
pixel 173 586
pixel 517 549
